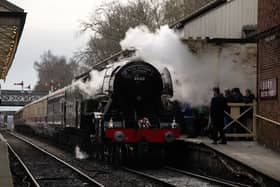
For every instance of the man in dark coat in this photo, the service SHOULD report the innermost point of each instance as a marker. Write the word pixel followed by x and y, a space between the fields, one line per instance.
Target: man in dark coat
pixel 249 96
pixel 217 107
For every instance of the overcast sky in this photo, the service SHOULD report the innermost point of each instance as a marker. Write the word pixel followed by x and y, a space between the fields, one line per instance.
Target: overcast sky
pixel 50 25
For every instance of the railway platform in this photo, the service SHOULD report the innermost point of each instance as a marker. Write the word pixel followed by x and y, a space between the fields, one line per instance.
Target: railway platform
pixel 249 153
pixel 5 173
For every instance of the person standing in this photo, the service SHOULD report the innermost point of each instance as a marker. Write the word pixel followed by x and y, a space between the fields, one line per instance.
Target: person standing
pixel 249 96
pixel 237 95
pixel 217 107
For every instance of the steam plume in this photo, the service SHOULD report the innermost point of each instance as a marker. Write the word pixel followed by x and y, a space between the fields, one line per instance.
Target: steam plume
pixel 93 85
pixel 80 154
pixel 193 76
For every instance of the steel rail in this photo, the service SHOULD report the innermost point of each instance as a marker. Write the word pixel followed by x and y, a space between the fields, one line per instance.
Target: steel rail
pixel 23 165
pixel 211 179
pixel 148 176
pixel 60 160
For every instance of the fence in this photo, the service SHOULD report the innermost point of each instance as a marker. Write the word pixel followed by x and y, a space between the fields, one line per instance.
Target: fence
pixel 242 117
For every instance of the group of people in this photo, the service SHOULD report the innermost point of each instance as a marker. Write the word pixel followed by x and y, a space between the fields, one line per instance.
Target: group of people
pixel 235 96
pixel 219 105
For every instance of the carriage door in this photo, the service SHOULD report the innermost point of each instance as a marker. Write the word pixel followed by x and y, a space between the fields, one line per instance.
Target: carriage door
pixel 78 112
pixel 62 109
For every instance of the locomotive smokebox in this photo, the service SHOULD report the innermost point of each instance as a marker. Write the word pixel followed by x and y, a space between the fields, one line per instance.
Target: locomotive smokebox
pixel 137 90
pixel 138 80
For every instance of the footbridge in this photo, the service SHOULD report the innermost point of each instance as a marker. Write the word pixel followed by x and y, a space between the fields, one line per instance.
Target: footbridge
pixel 19 97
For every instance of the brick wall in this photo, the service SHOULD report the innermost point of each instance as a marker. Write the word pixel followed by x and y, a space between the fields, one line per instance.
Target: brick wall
pixel 269 67
pixel 268 14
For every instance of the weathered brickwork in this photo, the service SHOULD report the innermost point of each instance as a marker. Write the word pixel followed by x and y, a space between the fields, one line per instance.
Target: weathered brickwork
pixel 268 14
pixel 269 67
pixel 269 50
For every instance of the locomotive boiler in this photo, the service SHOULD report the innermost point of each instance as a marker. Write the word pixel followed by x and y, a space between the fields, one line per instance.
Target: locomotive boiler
pixel 127 117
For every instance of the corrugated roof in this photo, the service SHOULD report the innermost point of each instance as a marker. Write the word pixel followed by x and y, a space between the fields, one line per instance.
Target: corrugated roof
pixel 203 10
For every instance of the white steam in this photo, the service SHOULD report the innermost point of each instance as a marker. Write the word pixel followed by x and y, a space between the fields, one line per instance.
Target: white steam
pixel 193 76
pixel 97 82
pixel 92 86
pixel 80 154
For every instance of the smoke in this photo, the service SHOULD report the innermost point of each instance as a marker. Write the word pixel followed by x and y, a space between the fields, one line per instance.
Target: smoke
pixel 92 86
pixel 193 75
pixel 96 83
pixel 80 154
pixel 42 130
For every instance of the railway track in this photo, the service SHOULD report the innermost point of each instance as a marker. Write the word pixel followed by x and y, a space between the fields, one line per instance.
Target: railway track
pixel 101 171
pixel 169 176
pixel 166 176
pixel 210 179
pixel 44 168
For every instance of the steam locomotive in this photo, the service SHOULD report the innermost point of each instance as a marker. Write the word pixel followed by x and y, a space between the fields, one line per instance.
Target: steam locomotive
pixel 130 114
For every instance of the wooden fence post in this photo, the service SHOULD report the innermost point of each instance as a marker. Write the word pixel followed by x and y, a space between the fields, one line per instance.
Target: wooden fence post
pixel 254 120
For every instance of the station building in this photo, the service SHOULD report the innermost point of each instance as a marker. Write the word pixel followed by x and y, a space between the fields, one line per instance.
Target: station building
pixel 249 30
pixel 221 33
pixel 222 29
pixel 12 20
pixel 268 73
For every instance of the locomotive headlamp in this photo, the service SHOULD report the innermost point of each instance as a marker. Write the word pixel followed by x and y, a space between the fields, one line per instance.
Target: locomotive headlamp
pixel 98 115
pixel 119 136
pixel 174 124
pixel 111 124
pixel 169 136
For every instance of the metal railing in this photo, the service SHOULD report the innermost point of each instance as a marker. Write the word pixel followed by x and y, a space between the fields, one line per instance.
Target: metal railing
pixel 268 120
pixel 242 116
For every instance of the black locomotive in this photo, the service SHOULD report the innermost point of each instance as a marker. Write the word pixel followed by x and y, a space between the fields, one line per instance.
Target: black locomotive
pixel 129 115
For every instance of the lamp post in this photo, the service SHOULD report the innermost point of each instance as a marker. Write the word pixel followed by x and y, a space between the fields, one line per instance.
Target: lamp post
pixel 51 84
pixel 28 88
pixel 20 84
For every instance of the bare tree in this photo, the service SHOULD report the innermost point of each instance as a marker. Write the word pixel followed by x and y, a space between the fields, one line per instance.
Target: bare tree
pixel 110 22
pixel 53 71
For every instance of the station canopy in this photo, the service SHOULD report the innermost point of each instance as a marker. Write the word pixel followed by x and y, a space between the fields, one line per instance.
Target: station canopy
pixel 12 20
